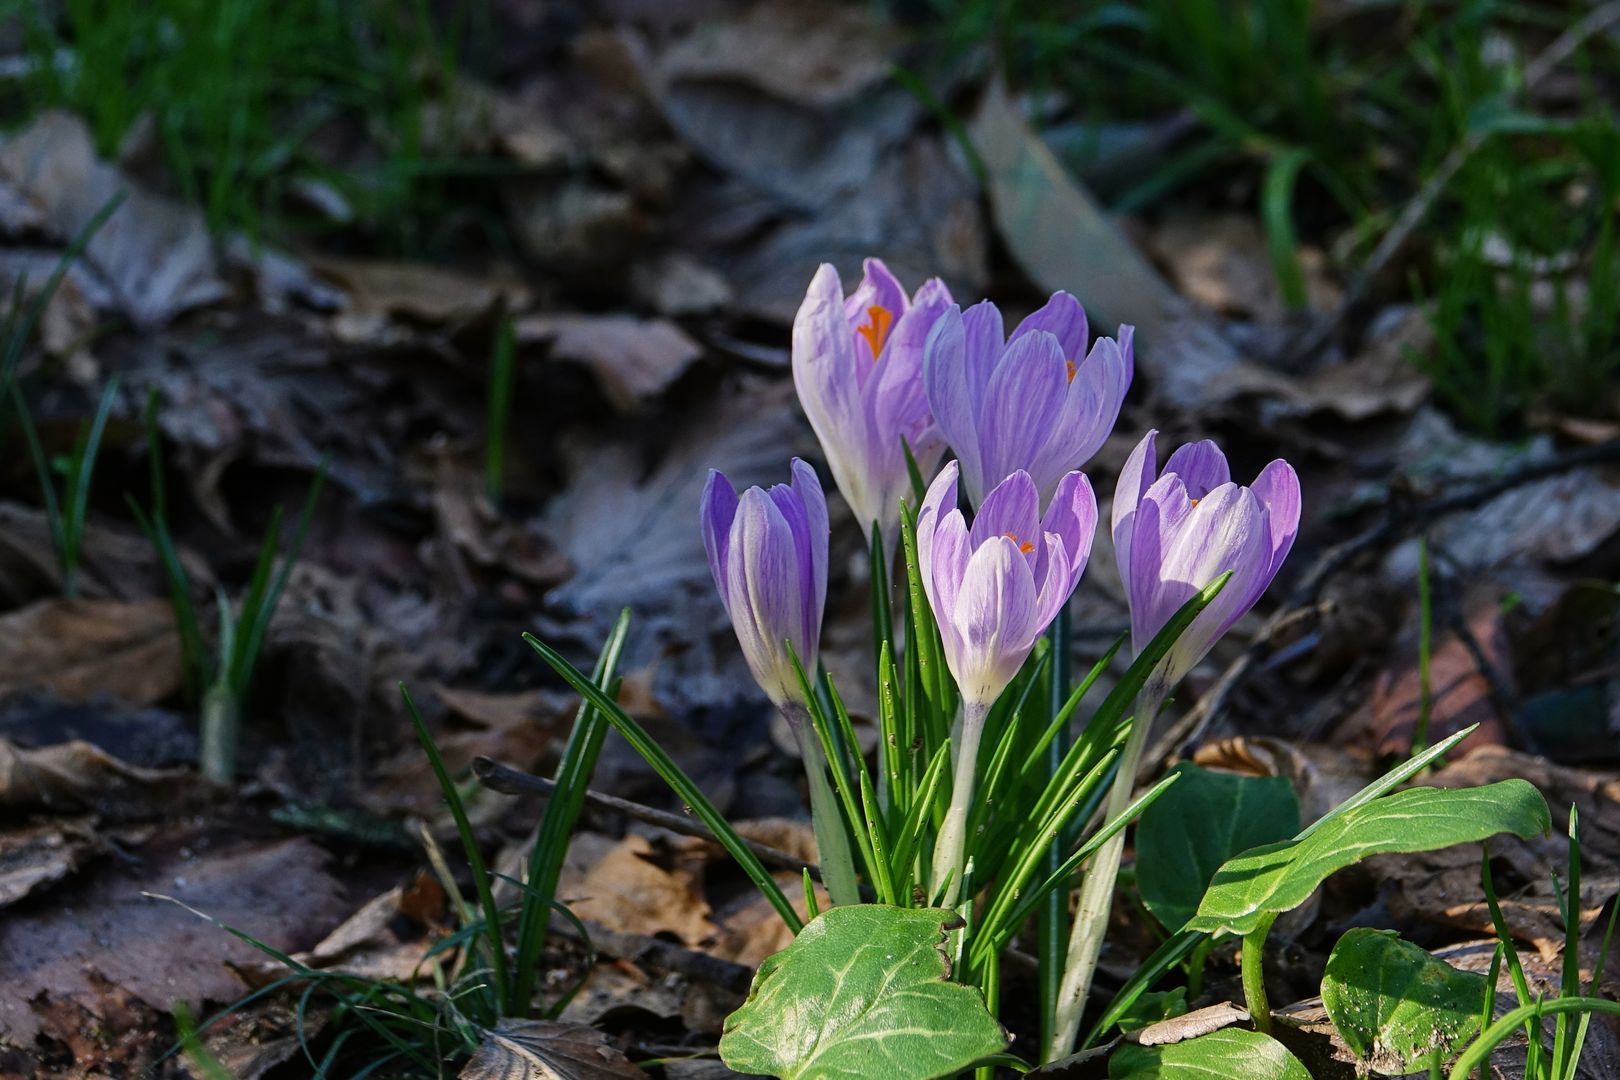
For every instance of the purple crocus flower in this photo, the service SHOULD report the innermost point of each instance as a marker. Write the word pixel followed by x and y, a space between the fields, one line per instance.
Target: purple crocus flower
pixel 1175 533
pixel 996 586
pixel 857 364
pixel 1035 402
pixel 768 553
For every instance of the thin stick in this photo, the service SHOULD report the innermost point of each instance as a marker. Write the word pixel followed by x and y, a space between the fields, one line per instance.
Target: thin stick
pixel 509 781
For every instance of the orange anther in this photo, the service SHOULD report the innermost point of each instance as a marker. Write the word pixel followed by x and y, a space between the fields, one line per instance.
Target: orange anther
pixel 876 332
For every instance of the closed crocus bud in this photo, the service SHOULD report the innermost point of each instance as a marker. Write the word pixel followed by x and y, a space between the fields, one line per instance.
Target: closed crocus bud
pixel 1176 532
pixel 995 587
pixel 857 365
pixel 1036 402
pixel 768 553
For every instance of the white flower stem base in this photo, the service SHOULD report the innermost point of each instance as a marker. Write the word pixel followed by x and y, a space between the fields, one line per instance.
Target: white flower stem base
pixel 1097 892
pixel 951 847
pixel 832 839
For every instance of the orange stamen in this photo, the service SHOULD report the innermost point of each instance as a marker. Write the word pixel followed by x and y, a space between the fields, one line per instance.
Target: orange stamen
pixel 1073 367
pixel 1195 502
pixel 876 332
pixel 1024 546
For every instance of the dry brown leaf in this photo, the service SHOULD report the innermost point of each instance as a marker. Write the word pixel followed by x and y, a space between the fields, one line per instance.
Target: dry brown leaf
pixel 105 931
pixel 1460 693
pixel 1380 379
pixel 155 255
pixel 640 888
pixel 676 283
pixel 76 776
pixel 380 289
pixel 1062 239
pixel 36 857
pixel 1221 261
pixel 633 359
pixel 547 1050
pixel 820 57
pixel 81 648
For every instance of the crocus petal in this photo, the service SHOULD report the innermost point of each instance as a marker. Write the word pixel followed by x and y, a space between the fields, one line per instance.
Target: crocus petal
pixel 1054 582
pixel 996 604
pixel 1091 404
pixel 896 399
pixel 1020 405
pixel 1063 318
pixel 717 510
pixel 938 501
pixel 1140 470
pixel 985 340
pixel 766 595
pixel 1277 488
pixel 1225 531
pixel 1201 466
pixel 878 288
pixel 1012 510
pixel 1072 518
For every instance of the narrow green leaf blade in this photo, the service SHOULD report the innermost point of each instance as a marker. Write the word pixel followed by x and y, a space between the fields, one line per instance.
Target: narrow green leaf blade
pixel 863 991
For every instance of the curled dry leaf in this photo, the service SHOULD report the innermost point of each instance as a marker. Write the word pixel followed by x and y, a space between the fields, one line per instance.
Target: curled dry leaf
pixel 547 1050
pixel 36 857
pixel 78 776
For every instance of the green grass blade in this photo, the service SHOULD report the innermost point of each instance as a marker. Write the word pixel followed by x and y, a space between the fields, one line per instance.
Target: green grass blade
pixel 573 775
pixel 77 492
pixel 672 775
pixel 482 881
pixel 1276 213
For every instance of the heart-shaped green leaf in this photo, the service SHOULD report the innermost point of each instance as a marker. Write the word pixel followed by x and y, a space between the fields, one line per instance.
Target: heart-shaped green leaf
pixel 1393 1004
pixel 1280 877
pixel 863 991
pixel 1204 819
pixel 1228 1054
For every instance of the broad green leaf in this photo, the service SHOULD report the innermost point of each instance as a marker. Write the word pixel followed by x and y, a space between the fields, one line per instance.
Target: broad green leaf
pixel 1394 1004
pixel 1280 877
pixel 1203 820
pixel 863 991
pixel 1228 1054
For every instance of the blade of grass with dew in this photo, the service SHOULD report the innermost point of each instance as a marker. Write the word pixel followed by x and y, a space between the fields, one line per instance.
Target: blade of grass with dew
pixel 672 775
pixel 573 776
pixel 475 858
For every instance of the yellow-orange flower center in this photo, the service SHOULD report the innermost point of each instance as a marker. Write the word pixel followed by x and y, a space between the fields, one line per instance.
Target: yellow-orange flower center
pixel 876 330
pixel 1073 367
pixel 1024 546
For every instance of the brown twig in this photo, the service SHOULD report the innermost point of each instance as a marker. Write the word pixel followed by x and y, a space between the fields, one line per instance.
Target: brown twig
pixel 1596 21
pixel 1401 519
pixel 509 781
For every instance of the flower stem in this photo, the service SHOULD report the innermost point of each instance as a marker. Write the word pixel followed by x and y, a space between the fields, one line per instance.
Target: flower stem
pixel 951 847
pixel 221 717
pixel 1097 892
pixel 832 839
pixel 1254 974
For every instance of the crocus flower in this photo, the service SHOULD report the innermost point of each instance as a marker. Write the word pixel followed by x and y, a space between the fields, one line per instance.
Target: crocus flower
pixel 1175 533
pixel 996 586
pixel 1035 402
pixel 857 364
pixel 768 553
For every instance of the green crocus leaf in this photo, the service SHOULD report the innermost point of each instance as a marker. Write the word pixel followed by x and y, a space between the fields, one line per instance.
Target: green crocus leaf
pixel 1228 1054
pixel 1280 877
pixel 1394 1004
pixel 1204 819
pixel 863 991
